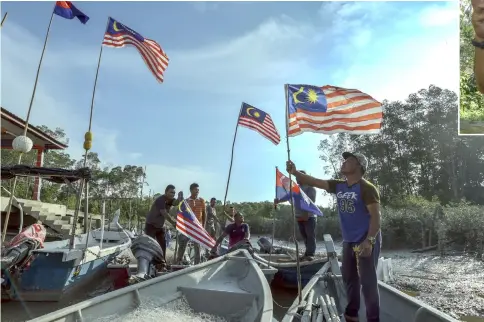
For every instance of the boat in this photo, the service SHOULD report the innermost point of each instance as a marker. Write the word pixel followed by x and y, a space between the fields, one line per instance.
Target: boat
pixel 146 255
pixel 233 279
pixel 51 271
pixel 324 299
pixel 283 259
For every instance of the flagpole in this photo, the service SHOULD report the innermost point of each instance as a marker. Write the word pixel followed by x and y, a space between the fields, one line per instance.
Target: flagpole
pixel 3 19
pixel 88 135
pixel 7 217
pixel 232 157
pixel 298 264
pixel 273 225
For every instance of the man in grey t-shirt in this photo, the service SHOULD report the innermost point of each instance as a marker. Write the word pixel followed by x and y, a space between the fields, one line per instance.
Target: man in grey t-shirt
pixel 155 219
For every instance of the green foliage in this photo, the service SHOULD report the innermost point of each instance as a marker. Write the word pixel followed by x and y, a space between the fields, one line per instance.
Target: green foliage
pixel 431 181
pixel 471 101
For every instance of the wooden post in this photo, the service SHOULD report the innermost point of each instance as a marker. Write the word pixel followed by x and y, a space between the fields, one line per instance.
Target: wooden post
pixel 38 181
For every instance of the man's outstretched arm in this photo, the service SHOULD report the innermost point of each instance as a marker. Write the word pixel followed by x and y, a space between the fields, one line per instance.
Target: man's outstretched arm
pixel 479 68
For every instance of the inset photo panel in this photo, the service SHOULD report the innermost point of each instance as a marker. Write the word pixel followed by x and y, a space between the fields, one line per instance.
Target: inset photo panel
pixel 471 113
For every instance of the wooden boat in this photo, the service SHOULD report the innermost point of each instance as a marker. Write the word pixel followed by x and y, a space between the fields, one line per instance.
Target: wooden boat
pixel 324 299
pixel 61 268
pixel 230 287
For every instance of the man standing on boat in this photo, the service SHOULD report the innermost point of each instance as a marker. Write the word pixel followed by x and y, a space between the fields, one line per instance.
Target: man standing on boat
pixel 306 222
pixel 478 23
pixel 158 214
pixel 198 207
pixel 359 213
pixel 239 235
pixel 212 218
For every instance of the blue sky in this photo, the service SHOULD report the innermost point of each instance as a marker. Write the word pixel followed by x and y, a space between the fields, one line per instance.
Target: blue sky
pixel 220 55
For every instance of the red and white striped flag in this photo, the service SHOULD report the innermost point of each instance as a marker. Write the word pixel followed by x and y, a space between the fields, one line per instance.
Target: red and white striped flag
pixel 259 121
pixel 118 35
pixel 188 225
pixel 331 109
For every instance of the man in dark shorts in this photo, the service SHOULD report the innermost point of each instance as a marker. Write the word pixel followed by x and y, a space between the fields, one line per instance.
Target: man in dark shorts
pixel 359 213
pixel 238 232
pixel 155 219
pixel 478 23
pixel 306 222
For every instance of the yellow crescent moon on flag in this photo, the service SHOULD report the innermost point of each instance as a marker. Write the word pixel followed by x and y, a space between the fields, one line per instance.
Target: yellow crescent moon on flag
pixel 115 27
pixel 294 96
pixel 248 111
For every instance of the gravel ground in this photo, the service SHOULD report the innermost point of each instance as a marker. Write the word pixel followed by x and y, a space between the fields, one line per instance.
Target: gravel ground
pixel 453 284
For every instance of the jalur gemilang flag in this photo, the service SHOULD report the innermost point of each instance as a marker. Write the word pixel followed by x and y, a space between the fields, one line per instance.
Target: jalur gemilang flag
pixel 301 200
pixel 188 225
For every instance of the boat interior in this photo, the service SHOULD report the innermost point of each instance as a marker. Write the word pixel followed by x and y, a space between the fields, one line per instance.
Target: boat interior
pixel 233 279
pixel 325 297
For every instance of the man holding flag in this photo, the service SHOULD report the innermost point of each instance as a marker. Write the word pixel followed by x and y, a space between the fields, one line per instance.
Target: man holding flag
pixel 306 219
pixel 359 212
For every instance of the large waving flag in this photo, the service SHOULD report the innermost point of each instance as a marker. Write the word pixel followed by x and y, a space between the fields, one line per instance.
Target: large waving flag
pixel 66 9
pixel 331 109
pixel 188 225
pixel 259 121
pixel 118 35
pixel 301 200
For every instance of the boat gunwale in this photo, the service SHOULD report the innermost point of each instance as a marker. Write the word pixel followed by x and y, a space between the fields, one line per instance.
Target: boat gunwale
pixel 242 254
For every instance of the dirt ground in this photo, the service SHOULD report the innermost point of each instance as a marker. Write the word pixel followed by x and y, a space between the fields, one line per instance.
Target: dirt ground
pixel 453 284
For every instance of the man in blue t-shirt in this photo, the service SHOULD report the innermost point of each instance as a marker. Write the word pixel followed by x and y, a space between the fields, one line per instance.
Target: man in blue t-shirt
pixel 359 214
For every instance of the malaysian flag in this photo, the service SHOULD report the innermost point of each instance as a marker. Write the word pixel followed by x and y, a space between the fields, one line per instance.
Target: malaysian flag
pixel 118 35
pixel 188 225
pixel 331 109
pixel 259 121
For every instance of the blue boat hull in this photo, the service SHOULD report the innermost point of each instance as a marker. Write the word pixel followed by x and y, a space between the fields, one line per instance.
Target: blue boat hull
pixel 49 279
pixel 286 277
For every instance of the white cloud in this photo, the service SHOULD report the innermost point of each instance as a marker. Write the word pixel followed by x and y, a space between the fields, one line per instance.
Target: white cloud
pixel 53 105
pixel 440 16
pixel 204 6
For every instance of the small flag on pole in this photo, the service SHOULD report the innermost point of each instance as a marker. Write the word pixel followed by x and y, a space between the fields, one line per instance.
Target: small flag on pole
pixel 66 9
pixel 259 121
pixel 331 109
pixel 188 225
pixel 118 35
pixel 301 200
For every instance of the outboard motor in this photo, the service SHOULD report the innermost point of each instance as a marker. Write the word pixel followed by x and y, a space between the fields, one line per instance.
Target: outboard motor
pixel 16 253
pixel 265 245
pixel 148 254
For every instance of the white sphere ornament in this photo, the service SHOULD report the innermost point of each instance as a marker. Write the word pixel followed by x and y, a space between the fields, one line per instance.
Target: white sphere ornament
pixel 22 144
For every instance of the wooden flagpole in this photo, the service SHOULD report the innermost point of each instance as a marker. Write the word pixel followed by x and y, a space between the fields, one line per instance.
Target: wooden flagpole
pixel 3 19
pixel 232 158
pixel 298 264
pixel 7 217
pixel 88 135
